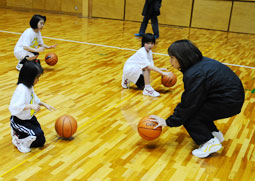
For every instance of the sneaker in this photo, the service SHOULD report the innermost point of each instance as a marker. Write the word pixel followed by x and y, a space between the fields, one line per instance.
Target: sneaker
pixel 204 150
pixel 125 82
pixel 24 144
pixel 218 135
pixel 138 34
pixel 150 92
pixel 19 66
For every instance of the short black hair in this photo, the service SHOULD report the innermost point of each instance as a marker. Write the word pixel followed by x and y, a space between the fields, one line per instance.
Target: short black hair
pixel 28 73
pixel 186 53
pixel 35 19
pixel 147 38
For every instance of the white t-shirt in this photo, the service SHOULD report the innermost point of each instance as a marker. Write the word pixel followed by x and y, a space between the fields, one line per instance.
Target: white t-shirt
pixel 29 38
pixel 134 65
pixel 22 96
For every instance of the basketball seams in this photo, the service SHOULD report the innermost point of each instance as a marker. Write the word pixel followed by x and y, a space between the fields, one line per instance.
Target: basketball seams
pixel 66 126
pixel 169 81
pixel 151 128
pixel 147 131
pixel 63 127
pixel 51 59
pixel 71 126
pixel 148 137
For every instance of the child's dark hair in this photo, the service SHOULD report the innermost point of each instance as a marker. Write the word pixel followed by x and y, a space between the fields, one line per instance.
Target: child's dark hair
pixel 28 73
pixel 35 19
pixel 186 53
pixel 147 38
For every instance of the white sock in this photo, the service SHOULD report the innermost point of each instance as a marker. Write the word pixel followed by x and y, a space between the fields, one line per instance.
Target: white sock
pixel 148 86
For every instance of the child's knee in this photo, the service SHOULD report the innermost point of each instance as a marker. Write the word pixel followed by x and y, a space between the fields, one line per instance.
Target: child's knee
pixel 146 69
pixel 39 142
pixel 40 139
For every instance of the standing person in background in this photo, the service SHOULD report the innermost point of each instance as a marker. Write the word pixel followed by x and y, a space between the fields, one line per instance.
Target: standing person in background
pixel 30 42
pixel 151 11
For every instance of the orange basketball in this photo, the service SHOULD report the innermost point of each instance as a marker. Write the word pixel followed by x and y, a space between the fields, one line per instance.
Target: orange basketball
pixel 65 126
pixel 51 59
pixel 169 81
pixel 146 129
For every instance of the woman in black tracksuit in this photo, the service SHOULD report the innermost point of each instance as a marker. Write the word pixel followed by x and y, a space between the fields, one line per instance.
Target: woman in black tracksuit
pixel 212 91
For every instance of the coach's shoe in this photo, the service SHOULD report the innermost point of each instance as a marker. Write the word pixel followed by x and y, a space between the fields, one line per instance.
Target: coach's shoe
pixel 19 66
pixel 204 150
pixel 24 144
pixel 150 92
pixel 218 135
pixel 125 82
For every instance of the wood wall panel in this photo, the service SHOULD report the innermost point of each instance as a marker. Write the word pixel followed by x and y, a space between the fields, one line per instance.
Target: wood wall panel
pixel 211 14
pixel 208 14
pixel 20 4
pixel 175 12
pixel 70 6
pixel 243 17
pixel 74 6
pixel 113 9
pixel 39 4
pixel 2 3
pixel 54 5
pixel 85 8
pixel 134 10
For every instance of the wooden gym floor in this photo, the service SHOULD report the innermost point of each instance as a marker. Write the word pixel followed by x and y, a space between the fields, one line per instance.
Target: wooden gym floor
pixel 86 83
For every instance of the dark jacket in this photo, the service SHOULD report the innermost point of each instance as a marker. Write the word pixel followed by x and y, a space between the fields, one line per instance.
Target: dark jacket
pixel 212 84
pixel 151 8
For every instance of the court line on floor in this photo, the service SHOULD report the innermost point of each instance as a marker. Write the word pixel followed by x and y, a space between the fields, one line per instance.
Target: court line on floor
pixel 109 109
pixel 115 47
pixel 86 123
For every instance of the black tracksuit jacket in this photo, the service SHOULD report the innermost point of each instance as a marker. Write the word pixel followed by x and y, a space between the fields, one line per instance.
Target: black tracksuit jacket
pixel 208 85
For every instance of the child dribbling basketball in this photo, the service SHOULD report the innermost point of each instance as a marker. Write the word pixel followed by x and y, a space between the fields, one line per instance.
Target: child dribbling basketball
pixel 25 129
pixel 137 68
pixel 30 43
pixel 212 91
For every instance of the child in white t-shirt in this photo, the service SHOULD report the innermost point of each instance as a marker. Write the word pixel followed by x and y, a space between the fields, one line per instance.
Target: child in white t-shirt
pixel 137 68
pixel 30 42
pixel 25 129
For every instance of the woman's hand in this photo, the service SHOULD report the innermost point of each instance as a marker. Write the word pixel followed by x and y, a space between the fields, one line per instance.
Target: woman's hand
pixel 166 73
pixel 160 121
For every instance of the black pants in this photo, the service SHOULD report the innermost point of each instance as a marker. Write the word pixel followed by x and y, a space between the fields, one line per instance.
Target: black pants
pixel 140 82
pixel 25 128
pixel 154 24
pixel 36 60
pixel 201 125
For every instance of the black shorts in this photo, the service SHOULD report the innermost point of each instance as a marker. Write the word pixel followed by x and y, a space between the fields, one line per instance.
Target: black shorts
pixel 140 82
